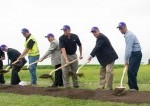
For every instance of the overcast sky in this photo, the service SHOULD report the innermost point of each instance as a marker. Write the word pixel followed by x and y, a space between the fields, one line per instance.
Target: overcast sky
pixel 48 16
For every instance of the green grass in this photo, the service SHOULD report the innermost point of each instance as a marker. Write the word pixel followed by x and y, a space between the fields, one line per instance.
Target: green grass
pixel 89 81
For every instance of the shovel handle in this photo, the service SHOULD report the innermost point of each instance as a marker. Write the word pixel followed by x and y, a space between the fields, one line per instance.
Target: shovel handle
pixel 81 67
pixel 18 60
pixel 8 67
pixel 32 63
pixel 64 66
pixel 36 62
pixel 124 70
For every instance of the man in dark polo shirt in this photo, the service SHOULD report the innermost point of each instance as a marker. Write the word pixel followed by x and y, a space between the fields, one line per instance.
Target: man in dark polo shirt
pixel 68 45
pixel 106 56
pixel 12 56
pixel 2 57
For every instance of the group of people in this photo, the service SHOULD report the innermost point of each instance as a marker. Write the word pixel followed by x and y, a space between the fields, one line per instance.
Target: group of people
pixel 64 51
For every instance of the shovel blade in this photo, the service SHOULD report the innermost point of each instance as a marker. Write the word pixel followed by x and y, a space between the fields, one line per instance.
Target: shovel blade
pixel 119 91
pixel 4 71
pixel 45 76
pixel 80 74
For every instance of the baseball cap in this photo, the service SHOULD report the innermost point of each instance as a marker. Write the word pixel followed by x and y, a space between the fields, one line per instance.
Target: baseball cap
pixel 65 27
pixel 94 29
pixel 24 30
pixel 121 24
pixel 49 35
pixel 3 47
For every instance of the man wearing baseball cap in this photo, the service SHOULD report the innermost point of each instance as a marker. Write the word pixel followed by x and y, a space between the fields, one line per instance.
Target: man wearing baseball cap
pixel 106 56
pixel 13 54
pixel 2 57
pixel 68 44
pixel 31 48
pixel 133 55
pixel 55 54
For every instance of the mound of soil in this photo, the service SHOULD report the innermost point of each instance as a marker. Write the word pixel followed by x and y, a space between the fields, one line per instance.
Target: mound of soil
pixel 102 95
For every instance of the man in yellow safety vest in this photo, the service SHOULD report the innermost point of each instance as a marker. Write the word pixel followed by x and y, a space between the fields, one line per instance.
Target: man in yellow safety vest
pixel 31 48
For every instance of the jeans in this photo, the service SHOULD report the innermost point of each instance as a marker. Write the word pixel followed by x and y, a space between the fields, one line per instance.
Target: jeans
pixel 134 64
pixel 32 68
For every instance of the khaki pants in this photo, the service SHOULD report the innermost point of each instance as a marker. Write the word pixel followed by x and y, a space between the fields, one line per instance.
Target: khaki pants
pixel 72 68
pixel 106 76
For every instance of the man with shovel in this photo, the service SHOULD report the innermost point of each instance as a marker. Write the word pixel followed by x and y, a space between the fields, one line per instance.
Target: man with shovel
pixel 2 57
pixel 133 56
pixel 106 56
pixel 68 44
pixel 31 48
pixel 13 56
pixel 54 52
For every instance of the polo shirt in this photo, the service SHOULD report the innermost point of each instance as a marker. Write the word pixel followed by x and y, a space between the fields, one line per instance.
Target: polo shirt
pixel 70 44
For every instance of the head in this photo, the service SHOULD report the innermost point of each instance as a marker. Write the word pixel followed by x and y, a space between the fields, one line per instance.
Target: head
pixel 122 27
pixel 66 29
pixel 50 37
pixel 4 48
pixel 95 31
pixel 25 32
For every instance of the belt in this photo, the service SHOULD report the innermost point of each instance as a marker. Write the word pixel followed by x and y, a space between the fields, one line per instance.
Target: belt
pixel 135 51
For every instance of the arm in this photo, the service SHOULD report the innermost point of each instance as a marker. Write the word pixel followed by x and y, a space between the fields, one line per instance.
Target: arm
pixel 3 56
pixel 63 50
pixel 50 51
pixel 64 54
pixel 129 42
pixel 97 48
pixel 80 47
pixel 80 50
pixel 29 46
pixel 23 53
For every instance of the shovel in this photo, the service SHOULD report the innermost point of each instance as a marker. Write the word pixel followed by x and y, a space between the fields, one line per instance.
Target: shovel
pixel 5 70
pixel 120 90
pixel 80 74
pixel 35 62
pixel 45 76
pixel 9 67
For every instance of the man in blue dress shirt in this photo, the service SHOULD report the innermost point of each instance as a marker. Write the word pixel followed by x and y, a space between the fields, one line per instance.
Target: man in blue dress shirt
pixel 133 55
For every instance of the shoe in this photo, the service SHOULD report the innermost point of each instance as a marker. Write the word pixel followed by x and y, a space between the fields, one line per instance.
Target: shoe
pixel 2 84
pixel 54 86
pixel 76 86
pixel 133 90
pixel 34 85
pixel 100 88
pixel 60 85
pixel 67 87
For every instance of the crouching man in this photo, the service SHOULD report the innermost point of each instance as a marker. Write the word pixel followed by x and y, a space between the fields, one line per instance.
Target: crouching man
pixel 13 56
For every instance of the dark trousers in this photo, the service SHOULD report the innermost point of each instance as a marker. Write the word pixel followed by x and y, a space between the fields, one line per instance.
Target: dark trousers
pixel 134 64
pixel 58 76
pixel 15 79
pixel 2 80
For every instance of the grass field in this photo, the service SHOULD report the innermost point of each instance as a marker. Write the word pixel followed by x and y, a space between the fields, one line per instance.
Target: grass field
pixel 89 81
